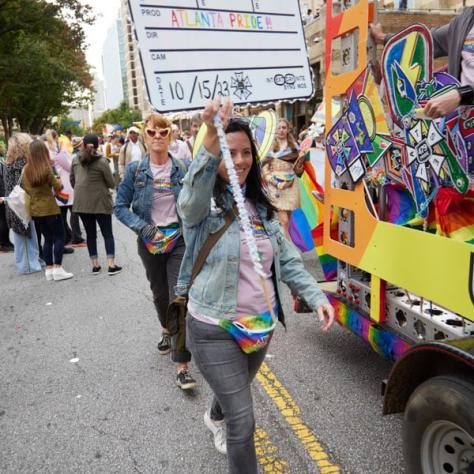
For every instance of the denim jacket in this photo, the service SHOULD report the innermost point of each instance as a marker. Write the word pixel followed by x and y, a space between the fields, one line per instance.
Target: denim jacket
pixel 136 190
pixel 214 291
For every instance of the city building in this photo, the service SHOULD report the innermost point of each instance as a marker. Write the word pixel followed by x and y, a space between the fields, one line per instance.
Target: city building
pixel 114 68
pixel 98 105
pixel 137 97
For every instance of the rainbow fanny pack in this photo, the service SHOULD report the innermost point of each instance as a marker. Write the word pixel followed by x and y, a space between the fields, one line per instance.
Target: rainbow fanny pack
pixel 165 244
pixel 251 333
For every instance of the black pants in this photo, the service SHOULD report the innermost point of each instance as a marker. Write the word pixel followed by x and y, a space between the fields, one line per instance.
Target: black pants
pixel 162 272
pixel 73 233
pixel 105 224
pixel 51 227
pixel 4 238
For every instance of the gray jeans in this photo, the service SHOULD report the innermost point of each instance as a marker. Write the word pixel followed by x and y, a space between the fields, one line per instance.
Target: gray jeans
pixel 229 372
pixel 162 272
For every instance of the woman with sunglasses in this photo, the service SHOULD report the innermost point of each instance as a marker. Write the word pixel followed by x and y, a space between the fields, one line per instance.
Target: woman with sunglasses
pixel 146 203
pixel 231 316
pixel 278 171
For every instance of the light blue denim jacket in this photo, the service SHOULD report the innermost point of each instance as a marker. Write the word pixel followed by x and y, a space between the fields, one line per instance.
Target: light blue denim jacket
pixel 214 291
pixel 136 191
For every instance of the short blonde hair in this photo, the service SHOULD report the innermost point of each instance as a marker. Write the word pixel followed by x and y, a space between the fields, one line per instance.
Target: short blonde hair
pixel 18 147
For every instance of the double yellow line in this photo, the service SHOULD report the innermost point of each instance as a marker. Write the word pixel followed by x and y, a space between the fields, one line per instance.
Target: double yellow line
pixel 291 413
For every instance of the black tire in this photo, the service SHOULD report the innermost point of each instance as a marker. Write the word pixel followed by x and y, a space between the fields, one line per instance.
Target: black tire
pixel 439 399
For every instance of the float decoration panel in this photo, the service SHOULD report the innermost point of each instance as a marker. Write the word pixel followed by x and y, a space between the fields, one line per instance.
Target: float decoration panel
pixel 418 153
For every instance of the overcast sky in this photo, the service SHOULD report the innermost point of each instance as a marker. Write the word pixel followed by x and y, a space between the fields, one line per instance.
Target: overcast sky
pixel 106 12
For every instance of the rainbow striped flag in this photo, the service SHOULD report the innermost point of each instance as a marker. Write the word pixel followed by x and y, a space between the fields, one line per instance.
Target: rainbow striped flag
pixel 328 262
pixel 62 197
pixel 306 223
pixel 454 214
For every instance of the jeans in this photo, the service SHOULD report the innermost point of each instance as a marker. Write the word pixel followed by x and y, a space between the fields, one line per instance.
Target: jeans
pixel 162 272
pixel 26 251
pixel 73 233
pixel 51 227
pixel 105 224
pixel 229 372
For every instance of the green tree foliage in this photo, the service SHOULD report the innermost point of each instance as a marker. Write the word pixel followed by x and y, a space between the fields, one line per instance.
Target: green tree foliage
pixel 122 115
pixel 43 70
pixel 65 123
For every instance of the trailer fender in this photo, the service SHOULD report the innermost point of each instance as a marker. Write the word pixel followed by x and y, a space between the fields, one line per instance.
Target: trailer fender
pixel 423 361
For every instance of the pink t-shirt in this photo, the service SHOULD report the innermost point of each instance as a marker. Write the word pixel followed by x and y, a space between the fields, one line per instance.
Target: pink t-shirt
pixel 163 208
pixel 250 297
pixel 467 60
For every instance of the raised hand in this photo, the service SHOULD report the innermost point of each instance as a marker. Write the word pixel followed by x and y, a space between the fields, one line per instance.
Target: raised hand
pixel 213 108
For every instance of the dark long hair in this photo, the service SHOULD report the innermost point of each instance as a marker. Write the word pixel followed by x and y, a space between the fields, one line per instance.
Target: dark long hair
pixel 88 155
pixel 254 186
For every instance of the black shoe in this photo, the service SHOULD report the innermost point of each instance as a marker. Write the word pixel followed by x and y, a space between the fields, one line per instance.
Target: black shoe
pixel 115 270
pixel 96 270
pixel 164 344
pixel 184 380
pixel 68 250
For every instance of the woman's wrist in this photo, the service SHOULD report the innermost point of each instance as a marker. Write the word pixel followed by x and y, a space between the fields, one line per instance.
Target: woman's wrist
pixel 211 142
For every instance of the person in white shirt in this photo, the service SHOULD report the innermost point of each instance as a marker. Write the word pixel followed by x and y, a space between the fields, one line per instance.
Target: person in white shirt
pixel 177 147
pixel 133 150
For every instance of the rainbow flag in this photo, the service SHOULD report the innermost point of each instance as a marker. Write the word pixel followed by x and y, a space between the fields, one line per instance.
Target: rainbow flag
pixel 328 262
pixel 400 206
pixel 451 214
pixel 62 197
pixel 306 223
pixel 300 231
pixel 454 214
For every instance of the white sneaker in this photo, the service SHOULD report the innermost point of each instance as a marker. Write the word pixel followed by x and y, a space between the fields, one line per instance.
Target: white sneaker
pixel 60 274
pixel 218 430
pixel 48 273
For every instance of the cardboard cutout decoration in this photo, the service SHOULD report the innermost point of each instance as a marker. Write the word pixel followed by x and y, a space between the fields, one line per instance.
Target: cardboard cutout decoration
pixel 263 127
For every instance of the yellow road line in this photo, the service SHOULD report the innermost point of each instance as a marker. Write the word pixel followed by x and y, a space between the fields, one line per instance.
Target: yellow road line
pixel 290 411
pixel 266 454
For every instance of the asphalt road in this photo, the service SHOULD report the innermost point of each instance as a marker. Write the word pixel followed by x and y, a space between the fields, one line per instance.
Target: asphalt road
pixel 83 388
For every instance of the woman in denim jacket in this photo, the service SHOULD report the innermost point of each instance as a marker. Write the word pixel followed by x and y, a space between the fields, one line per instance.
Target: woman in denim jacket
pixel 226 295
pixel 151 187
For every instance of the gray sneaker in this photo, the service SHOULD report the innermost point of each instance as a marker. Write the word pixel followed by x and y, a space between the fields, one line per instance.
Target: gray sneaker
pixel 164 344
pixel 218 430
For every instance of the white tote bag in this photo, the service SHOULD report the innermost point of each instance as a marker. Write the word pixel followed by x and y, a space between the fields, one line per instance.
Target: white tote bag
pixel 19 202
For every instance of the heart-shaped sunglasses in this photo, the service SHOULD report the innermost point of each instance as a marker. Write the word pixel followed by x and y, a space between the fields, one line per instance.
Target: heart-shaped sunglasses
pixel 162 132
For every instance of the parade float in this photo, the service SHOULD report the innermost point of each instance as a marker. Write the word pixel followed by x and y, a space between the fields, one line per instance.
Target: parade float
pixel 398 232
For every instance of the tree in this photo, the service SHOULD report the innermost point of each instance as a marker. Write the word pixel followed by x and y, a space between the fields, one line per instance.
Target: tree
pixel 122 115
pixel 67 123
pixel 43 70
